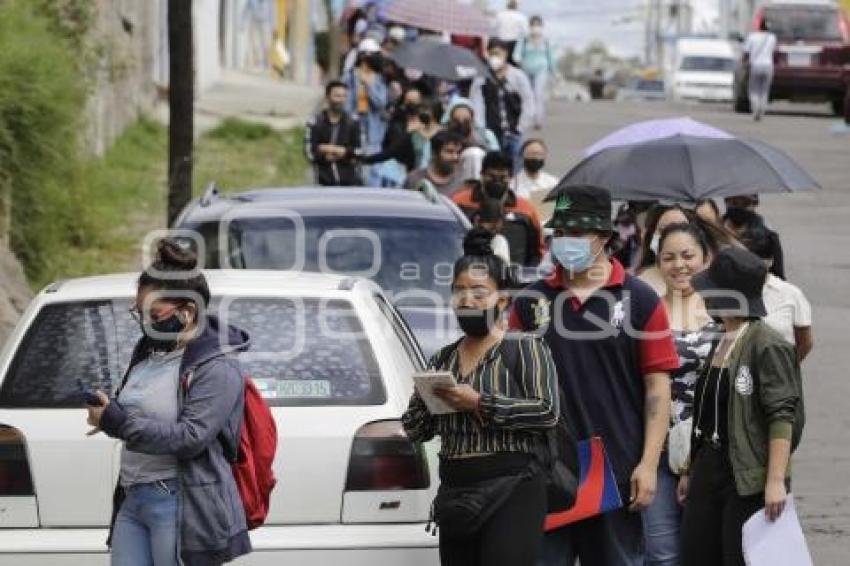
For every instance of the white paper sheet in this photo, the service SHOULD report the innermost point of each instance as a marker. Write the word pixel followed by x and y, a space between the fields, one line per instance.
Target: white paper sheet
pixel 425 383
pixel 776 544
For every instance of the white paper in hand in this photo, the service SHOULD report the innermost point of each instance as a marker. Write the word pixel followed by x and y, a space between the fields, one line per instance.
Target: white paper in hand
pixel 780 543
pixel 425 382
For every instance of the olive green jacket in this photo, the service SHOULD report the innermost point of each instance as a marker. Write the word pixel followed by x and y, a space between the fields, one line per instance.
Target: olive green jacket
pixel 765 402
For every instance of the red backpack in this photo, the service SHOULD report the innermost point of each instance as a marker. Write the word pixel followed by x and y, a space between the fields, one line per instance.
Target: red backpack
pixel 253 467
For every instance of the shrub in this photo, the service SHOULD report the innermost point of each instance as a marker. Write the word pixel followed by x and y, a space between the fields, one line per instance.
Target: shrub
pixel 42 97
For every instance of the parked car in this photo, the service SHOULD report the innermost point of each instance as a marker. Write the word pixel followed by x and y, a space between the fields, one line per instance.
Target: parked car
pixel 643 89
pixel 569 90
pixel 403 241
pixel 332 357
pixel 812 55
pixel 703 70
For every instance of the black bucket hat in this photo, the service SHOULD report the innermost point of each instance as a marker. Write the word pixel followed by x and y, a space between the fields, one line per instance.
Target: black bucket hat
pixel 733 283
pixel 582 207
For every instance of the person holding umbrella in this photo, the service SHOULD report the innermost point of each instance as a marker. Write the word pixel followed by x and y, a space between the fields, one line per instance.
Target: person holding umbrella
pixel 748 417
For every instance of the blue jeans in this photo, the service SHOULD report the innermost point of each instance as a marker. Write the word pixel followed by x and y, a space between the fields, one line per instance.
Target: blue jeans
pixel 613 539
pixel 145 531
pixel 662 521
pixel 511 145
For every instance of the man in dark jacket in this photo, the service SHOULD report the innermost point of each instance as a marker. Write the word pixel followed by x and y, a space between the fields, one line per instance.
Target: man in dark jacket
pixel 333 142
pixel 522 227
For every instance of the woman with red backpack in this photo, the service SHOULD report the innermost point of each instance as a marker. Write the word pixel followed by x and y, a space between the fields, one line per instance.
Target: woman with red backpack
pixel 179 412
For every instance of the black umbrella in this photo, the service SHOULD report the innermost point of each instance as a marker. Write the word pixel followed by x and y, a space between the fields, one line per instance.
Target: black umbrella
pixel 441 60
pixel 684 168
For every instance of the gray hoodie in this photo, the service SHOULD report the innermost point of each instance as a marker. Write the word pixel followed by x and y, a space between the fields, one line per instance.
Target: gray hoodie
pixel 205 439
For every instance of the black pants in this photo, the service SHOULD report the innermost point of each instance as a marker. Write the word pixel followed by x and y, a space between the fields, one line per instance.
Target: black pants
pixel 513 536
pixel 714 512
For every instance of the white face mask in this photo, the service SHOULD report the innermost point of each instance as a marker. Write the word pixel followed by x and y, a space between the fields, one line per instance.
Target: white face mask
pixel 654 243
pixel 497 62
pixel 536 30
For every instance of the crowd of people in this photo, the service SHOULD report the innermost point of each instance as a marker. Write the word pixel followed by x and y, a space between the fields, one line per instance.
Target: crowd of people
pixel 385 126
pixel 666 331
pixel 683 360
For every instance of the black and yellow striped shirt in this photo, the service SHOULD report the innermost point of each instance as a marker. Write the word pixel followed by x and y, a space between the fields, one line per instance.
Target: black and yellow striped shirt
pixel 515 410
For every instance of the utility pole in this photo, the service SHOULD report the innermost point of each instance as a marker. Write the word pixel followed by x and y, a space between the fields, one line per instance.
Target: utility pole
pixel 180 106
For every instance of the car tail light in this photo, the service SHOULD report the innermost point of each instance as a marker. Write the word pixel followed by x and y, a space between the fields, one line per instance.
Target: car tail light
pixel 383 458
pixel 15 478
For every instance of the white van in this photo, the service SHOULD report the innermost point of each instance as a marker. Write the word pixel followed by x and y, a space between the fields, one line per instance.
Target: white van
pixel 703 70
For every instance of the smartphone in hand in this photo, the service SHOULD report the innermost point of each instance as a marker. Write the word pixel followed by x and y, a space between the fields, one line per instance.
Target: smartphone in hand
pixel 88 396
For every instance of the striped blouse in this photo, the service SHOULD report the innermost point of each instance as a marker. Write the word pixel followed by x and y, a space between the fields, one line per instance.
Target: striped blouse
pixel 514 409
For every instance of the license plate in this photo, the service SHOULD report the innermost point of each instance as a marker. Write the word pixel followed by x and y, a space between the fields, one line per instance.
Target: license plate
pixel 303 388
pixel 799 60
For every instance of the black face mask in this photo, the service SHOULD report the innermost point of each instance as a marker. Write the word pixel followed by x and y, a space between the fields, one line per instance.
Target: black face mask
pixel 477 323
pixel 463 129
pixel 533 165
pixel 338 107
pixel 171 326
pixel 496 189
pixel 444 167
pixel 425 118
pixel 410 110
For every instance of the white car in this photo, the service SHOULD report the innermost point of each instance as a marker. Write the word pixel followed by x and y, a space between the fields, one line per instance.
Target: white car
pixel 704 70
pixel 333 358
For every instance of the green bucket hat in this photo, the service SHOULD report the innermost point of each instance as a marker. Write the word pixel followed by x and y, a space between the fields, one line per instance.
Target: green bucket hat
pixel 582 207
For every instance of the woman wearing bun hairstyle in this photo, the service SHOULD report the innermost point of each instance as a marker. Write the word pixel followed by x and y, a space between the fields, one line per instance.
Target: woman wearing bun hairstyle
pixel 505 398
pixel 178 412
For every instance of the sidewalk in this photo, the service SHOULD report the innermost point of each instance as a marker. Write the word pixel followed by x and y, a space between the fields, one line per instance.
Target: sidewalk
pixel 252 97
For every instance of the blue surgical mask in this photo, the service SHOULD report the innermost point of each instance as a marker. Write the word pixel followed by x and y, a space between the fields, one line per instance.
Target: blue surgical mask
pixel 573 253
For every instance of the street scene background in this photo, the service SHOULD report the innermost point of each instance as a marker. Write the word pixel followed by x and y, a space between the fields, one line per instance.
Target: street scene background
pixel 84 162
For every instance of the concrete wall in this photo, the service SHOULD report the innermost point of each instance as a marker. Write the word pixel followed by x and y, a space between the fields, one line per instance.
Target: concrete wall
pixel 206 25
pixel 124 37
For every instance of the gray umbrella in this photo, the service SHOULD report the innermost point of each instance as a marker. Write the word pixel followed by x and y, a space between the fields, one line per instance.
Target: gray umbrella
pixel 684 168
pixel 441 60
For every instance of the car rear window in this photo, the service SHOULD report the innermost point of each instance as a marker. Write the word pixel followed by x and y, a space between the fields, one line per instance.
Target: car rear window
pixel 651 86
pixel 304 352
pixel 708 64
pixel 388 250
pixel 810 23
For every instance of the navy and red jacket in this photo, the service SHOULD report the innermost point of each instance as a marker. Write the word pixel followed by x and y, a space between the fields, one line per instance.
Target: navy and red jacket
pixel 603 348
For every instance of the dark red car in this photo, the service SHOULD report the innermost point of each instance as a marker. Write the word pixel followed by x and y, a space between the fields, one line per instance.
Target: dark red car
pixel 813 48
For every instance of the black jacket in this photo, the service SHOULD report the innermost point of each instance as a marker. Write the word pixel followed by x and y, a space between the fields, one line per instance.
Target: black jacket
pixel 503 108
pixel 346 132
pixel 397 144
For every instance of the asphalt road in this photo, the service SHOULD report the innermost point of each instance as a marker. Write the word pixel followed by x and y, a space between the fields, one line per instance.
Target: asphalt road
pixel 815 232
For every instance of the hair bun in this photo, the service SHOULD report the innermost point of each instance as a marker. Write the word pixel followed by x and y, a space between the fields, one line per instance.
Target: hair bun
pixel 175 255
pixel 477 242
